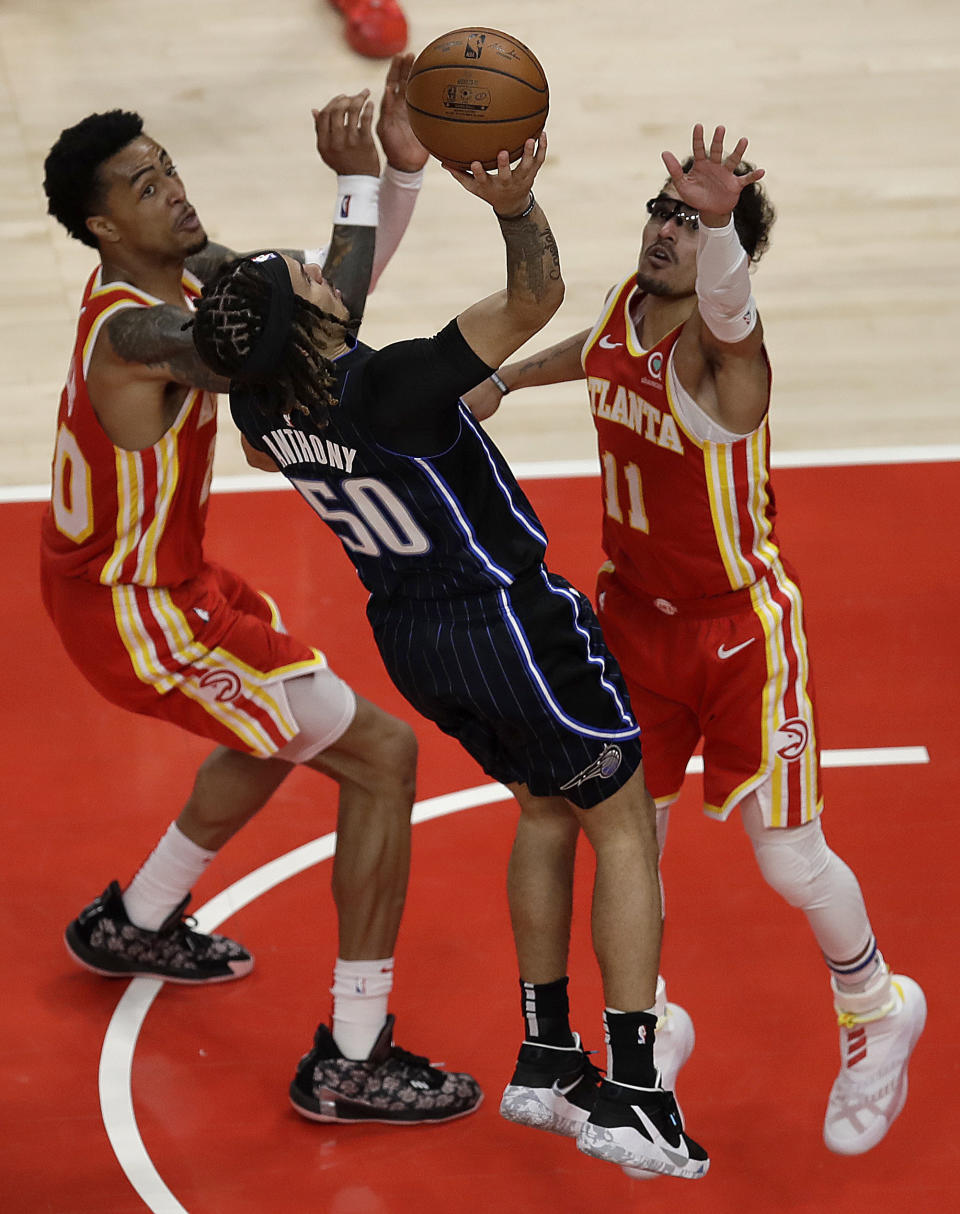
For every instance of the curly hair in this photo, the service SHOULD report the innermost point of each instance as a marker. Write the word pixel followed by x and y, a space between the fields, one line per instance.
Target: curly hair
pixel 71 179
pixel 753 216
pixel 231 314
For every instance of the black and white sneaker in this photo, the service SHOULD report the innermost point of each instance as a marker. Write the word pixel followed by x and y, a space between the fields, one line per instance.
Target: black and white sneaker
pixel 553 1088
pixel 389 1085
pixel 103 939
pixel 641 1128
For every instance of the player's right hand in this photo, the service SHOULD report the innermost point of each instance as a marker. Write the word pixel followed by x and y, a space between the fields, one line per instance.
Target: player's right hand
pixel 507 189
pixel 345 139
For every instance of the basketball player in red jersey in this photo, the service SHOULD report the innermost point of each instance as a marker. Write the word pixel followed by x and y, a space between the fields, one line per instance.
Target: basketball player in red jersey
pixel 159 629
pixel 699 605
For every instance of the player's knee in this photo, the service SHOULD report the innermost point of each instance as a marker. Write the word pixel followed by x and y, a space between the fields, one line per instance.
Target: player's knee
pixel 791 859
pixel 397 753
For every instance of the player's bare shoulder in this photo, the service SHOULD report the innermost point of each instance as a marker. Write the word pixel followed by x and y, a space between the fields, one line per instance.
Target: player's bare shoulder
pixel 141 369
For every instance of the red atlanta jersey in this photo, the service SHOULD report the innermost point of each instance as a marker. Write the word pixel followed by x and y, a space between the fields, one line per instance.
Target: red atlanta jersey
pixel 126 517
pixel 683 518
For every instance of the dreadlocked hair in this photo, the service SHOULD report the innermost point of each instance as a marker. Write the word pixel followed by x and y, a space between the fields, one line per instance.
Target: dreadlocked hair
pixel 230 316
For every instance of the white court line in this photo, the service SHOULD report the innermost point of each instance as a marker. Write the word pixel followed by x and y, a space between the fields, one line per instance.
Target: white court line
pixel 839 457
pixel 120 1041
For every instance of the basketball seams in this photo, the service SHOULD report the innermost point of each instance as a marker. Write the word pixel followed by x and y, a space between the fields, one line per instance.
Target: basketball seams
pixel 493 71
pixel 452 119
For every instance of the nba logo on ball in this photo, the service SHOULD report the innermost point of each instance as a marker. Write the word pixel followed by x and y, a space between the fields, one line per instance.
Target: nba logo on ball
pixel 475 92
pixel 474 45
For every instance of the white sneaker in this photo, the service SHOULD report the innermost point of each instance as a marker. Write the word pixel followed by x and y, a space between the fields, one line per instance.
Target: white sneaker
pixel 673 1044
pixel 671 1049
pixel 875 1047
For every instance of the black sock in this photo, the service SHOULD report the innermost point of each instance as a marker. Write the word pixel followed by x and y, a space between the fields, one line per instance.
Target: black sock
pixel 630 1047
pixel 546 1011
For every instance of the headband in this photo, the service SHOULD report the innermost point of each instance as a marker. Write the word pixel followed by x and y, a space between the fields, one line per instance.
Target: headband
pixel 267 350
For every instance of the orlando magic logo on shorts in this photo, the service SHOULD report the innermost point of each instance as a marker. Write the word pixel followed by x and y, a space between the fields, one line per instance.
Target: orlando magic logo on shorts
pixel 602 768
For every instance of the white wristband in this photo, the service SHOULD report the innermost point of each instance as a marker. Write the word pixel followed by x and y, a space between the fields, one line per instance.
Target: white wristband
pixel 403 179
pixel 315 257
pixel 357 200
pixel 723 284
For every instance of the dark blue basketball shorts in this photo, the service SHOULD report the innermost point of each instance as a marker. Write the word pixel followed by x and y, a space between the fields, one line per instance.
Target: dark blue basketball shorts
pixel 522 678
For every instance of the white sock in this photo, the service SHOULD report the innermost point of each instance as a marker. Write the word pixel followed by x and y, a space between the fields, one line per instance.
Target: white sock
pixel 165 878
pixel 360 992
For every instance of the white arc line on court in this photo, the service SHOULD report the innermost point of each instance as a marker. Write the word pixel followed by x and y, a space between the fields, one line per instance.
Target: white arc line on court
pixel 120 1040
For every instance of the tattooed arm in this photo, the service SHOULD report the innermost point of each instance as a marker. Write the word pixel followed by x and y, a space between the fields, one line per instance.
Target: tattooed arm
pixel 208 263
pixel 555 365
pixel 153 344
pixel 349 264
pixel 498 325
pixel 142 367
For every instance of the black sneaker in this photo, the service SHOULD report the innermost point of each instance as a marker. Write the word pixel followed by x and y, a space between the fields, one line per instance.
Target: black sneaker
pixel 641 1128
pixel 104 940
pixel 389 1085
pixel 553 1088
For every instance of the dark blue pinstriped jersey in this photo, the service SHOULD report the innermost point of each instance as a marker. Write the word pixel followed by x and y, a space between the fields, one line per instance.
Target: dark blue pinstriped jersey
pixel 421 526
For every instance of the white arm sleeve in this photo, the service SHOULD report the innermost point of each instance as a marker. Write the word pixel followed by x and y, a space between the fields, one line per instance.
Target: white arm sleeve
pixel 723 284
pixel 398 195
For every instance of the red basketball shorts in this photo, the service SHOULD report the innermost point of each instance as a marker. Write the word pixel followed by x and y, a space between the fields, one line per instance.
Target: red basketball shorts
pixel 208 655
pixel 734 674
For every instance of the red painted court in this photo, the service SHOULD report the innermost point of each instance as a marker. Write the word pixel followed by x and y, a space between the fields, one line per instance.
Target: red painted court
pixel 88 789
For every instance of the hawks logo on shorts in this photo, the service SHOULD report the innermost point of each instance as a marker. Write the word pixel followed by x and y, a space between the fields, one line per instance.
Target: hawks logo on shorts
pixel 792 738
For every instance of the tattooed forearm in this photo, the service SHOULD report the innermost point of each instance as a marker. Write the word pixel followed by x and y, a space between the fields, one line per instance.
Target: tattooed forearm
pixel 156 337
pixel 349 264
pixel 533 259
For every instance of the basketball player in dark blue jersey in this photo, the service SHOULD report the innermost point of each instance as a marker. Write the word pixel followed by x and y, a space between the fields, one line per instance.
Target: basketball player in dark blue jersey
pixel 478 634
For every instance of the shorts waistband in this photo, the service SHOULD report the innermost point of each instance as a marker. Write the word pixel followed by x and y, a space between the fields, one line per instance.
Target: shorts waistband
pixel 708 607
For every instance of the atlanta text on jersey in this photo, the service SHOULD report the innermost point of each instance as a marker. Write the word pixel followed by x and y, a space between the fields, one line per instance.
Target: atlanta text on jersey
pixel 628 409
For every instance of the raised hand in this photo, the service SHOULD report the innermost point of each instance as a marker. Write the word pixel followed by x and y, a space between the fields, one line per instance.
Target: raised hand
pixel 506 189
pixel 345 139
pixel 401 147
pixel 711 183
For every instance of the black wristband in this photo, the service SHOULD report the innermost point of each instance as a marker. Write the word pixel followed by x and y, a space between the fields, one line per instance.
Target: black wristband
pixel 523 214
pixel 498 382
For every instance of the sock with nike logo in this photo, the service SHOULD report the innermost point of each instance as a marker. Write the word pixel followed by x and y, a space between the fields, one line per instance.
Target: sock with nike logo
pixel 630 1037
pixel 546 1012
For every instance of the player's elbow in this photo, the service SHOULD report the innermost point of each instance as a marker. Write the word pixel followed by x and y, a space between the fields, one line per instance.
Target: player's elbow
pixel 534 310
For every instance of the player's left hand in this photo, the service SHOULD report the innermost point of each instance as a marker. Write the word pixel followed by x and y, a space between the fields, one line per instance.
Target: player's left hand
pixel 345 139
pixel 506 189
pixel 711 183
pixel 402 148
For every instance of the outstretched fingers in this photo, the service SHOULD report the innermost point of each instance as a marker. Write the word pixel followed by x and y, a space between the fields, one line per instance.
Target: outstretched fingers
pixel 344 130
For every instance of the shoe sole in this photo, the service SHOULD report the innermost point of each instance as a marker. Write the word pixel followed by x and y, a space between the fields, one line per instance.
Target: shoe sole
pixel 600 1144
pixel 75 951
pixel 527 1106
pixel 347 1112
pixel 868 1143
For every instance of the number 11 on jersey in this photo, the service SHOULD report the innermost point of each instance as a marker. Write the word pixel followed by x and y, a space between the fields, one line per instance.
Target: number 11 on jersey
pixel 636 515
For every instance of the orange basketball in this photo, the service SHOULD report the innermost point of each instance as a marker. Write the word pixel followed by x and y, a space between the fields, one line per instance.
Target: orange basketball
pixel 474 92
